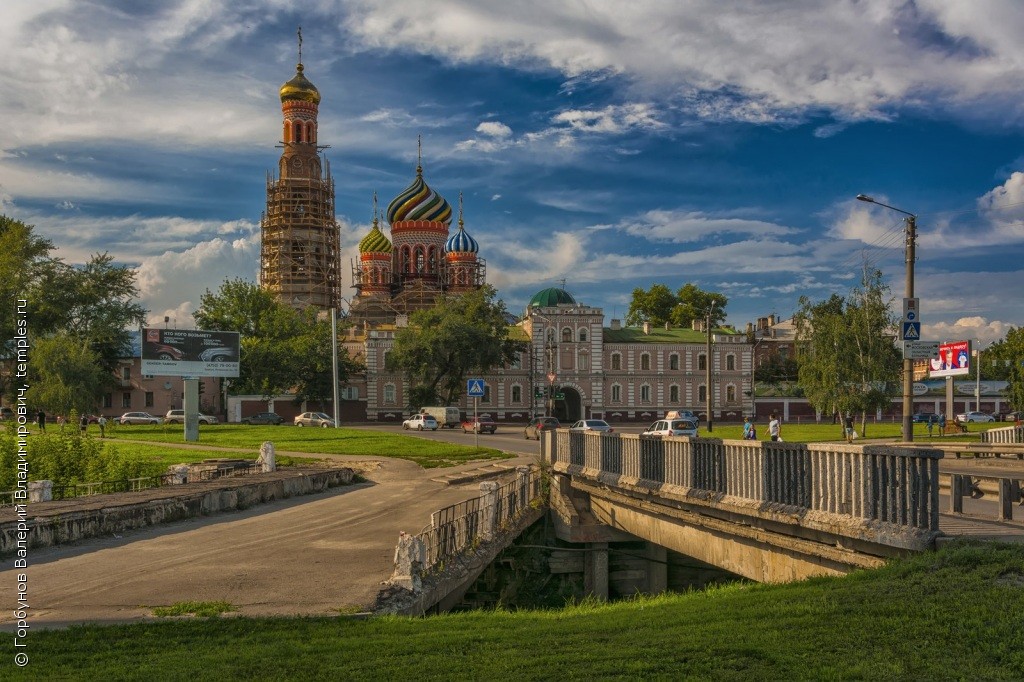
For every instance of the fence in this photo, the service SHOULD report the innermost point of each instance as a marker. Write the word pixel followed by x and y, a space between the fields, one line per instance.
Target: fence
pixel 877 483
pixel 455 529
pixel 1006 434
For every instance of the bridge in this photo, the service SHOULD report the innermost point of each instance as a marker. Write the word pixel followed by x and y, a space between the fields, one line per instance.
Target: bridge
pixel 767 511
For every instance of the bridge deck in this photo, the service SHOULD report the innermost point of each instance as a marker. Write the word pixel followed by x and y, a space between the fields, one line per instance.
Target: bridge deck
pixel 955 526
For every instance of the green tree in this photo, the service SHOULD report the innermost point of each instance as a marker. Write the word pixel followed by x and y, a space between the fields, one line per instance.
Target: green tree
pixel 848 360
pixel 694 304
pixel 66 375
pixel 23 258
pixel 1013 351
pixel 314 373
pixel 654 305
pixel 443 344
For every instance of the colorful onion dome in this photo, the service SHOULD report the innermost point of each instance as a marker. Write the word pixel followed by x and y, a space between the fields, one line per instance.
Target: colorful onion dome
pixel 375 241
pixel 419 202
pixel 461 242
pixel 552 297
pixel 299 88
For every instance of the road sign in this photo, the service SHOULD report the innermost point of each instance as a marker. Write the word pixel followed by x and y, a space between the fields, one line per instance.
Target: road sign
pixel 559 396
pixel 920 350
pixel 475 388
pixel 910 310
pixel 911 331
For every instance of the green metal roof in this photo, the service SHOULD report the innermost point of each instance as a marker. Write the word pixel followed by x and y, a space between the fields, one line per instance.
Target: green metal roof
pixel 661 335
pixel 551 297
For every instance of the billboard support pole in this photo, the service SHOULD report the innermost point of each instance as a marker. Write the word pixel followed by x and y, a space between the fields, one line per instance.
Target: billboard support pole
pixel 908 364
pixel 334 360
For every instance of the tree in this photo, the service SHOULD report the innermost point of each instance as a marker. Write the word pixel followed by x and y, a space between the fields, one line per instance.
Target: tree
pixel 65 375
pixel 694 304
pixel 848 359
pixel 654 305
pixel 443 344
pixel 1014 352
pixel 23 257
pixel 314 374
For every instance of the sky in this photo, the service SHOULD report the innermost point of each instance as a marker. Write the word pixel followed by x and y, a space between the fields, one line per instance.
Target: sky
pixel 608 144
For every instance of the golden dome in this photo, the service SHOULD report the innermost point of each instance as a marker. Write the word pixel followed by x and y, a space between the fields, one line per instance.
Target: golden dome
pixel 299 88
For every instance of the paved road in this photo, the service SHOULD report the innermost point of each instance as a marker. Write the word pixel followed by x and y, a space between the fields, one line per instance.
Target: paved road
pixel 307 555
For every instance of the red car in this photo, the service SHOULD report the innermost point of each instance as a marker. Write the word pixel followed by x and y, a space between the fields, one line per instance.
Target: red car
pixel 479 425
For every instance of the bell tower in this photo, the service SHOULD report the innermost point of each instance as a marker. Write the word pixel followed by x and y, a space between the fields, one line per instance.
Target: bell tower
pixel 300 238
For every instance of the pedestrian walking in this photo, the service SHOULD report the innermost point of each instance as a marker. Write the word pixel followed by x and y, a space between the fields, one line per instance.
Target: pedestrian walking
pixel 102 421
pixel 931 423
pixel 775 428
pixel 41 420
pixel 942 423
pixel 84 423
pixel 747 427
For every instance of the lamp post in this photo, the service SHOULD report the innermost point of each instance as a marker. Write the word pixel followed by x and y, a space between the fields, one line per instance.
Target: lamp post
pixel 548 347
pixel 908 365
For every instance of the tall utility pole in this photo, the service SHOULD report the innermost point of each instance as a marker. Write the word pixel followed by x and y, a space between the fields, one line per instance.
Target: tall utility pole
pixel 707 366
pixel 908 365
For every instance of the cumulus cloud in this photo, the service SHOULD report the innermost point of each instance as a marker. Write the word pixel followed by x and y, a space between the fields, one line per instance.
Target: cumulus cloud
pixel 494 129
pixel 689 226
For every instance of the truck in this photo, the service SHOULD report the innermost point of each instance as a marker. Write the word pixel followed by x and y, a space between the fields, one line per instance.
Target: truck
pixel 448 417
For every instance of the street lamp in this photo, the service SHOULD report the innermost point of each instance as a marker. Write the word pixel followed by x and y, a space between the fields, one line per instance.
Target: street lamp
pixel 908 365
pixel 548 346
pixel 707 366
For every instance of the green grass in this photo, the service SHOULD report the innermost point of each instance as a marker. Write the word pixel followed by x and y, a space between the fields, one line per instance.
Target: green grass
pixel 952 614
pixel 362 442
pixel 201 609
pixel 813 433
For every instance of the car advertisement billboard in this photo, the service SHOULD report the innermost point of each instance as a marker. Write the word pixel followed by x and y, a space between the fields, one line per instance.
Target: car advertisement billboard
pixel 190 353
pixel 954 360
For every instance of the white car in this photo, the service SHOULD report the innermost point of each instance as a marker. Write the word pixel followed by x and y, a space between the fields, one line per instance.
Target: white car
pixel 591 425
pixel 178 417
pixel 420 422
pixel 138 418
pixel 672 427
pixel 975 417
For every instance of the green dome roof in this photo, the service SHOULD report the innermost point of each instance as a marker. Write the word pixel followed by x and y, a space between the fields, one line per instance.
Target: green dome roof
pixel 375 241
pixel 552 296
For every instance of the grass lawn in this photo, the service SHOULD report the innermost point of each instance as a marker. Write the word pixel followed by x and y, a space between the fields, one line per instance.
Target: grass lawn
pixel 952 614
pixel 163 456
pixel 426 453
pixel 826 431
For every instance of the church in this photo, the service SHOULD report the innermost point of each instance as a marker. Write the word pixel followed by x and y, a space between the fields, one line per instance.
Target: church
pixel 573 367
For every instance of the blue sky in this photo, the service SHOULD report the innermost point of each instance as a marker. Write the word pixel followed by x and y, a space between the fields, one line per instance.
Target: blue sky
pixel 615 145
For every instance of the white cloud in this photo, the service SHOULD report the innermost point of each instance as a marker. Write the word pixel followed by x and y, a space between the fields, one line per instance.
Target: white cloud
pixel 690 226
pixel 494 129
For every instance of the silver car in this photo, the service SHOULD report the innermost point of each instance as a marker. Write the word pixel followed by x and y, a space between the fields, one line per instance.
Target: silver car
pixel 138 418
pixel 592 425
pixel 314 419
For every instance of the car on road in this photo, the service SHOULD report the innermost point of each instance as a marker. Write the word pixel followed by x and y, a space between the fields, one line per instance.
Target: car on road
pixel 975 417
pixel 591 425
pixel 672 427
pixel 479 425
pixel 420 422
pixel 925 418
pixel 314 419
pixel 138 418
pixel 178 417
pixel 538 425
pixel 272 418
pixel 1014 416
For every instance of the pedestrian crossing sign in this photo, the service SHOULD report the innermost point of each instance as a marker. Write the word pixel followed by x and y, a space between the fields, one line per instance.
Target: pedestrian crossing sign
pixel 911 331
pixel 475 388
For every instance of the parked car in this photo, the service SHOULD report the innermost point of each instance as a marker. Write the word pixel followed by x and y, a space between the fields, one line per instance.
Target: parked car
pixel 218 354
pixel 420 422
pixel 672 427
pixel 535 427
pixel 591 425
pixel 683 414
pixel 165 352
pixel 975 417
pixel 178 417
pixel 925 418
pixel 314 419
pixel 1014 416
pixel 479 425
pixel 272 418
pixel 138 418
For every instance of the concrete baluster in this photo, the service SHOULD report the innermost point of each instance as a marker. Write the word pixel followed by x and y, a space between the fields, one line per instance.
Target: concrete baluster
pixel 410 556
pixel 488 510
pixel 40 491
pixel 523 481
pixel 267 459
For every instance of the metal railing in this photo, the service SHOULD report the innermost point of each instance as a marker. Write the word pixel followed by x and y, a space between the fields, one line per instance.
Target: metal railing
pixel 870 482
pixel 1002 435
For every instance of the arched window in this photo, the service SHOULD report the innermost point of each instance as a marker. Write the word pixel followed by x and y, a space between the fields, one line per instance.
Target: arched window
pixel 420 265
pixel 298 132
pixel 566 335
pixel 616 393
pixel 730 394
pixel 430 259
pixel 730 363
pixel 406 263
pixel 310 137
pixel 673 395
pixel 645 361
pixel 645 394
pixel 517 394
pixel 583 336
pixel 673 361
pixel 616 361
pixel 702 362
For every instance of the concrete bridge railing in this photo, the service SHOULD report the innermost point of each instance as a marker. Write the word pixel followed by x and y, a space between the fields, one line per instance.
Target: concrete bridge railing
pixel 1006 434
pixel 876 490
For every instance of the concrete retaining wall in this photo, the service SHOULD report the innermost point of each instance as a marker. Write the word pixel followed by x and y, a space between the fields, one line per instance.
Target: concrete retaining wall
pixel 54 523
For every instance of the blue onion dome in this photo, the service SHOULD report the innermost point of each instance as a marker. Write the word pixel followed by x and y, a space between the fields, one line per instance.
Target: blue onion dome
pixel 552 297
pixel 375 241
pixel 461 242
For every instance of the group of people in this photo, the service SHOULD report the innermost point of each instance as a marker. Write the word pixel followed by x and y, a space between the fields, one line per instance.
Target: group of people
pixel 774 429
pixel 83 423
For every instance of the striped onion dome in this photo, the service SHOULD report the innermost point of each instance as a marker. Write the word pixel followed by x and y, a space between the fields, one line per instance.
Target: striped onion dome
pixel 419 202
pixel 375 241
pixel 461 242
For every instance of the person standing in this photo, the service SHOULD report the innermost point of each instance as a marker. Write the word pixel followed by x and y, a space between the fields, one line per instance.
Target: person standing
pixel 747 426
pixel 848 428
pixel 775 428
pixel 942 423
pixel 84 423
pixel 102 421
pixel 41 420
pixel 931 423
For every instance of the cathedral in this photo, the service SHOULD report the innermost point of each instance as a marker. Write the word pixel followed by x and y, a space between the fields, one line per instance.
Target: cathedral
pixel 572 367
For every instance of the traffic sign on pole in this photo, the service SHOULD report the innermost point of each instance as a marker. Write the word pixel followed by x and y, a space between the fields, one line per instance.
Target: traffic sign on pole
pixel 911 331
pixel 475 388
pixel 910 310
pixel 920 350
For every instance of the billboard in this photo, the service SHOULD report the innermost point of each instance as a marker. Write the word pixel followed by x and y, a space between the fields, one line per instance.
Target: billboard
pixel 954 360
pixel 190 353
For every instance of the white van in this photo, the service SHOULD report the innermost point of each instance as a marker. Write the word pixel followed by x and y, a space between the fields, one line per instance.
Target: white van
pixel 448 417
